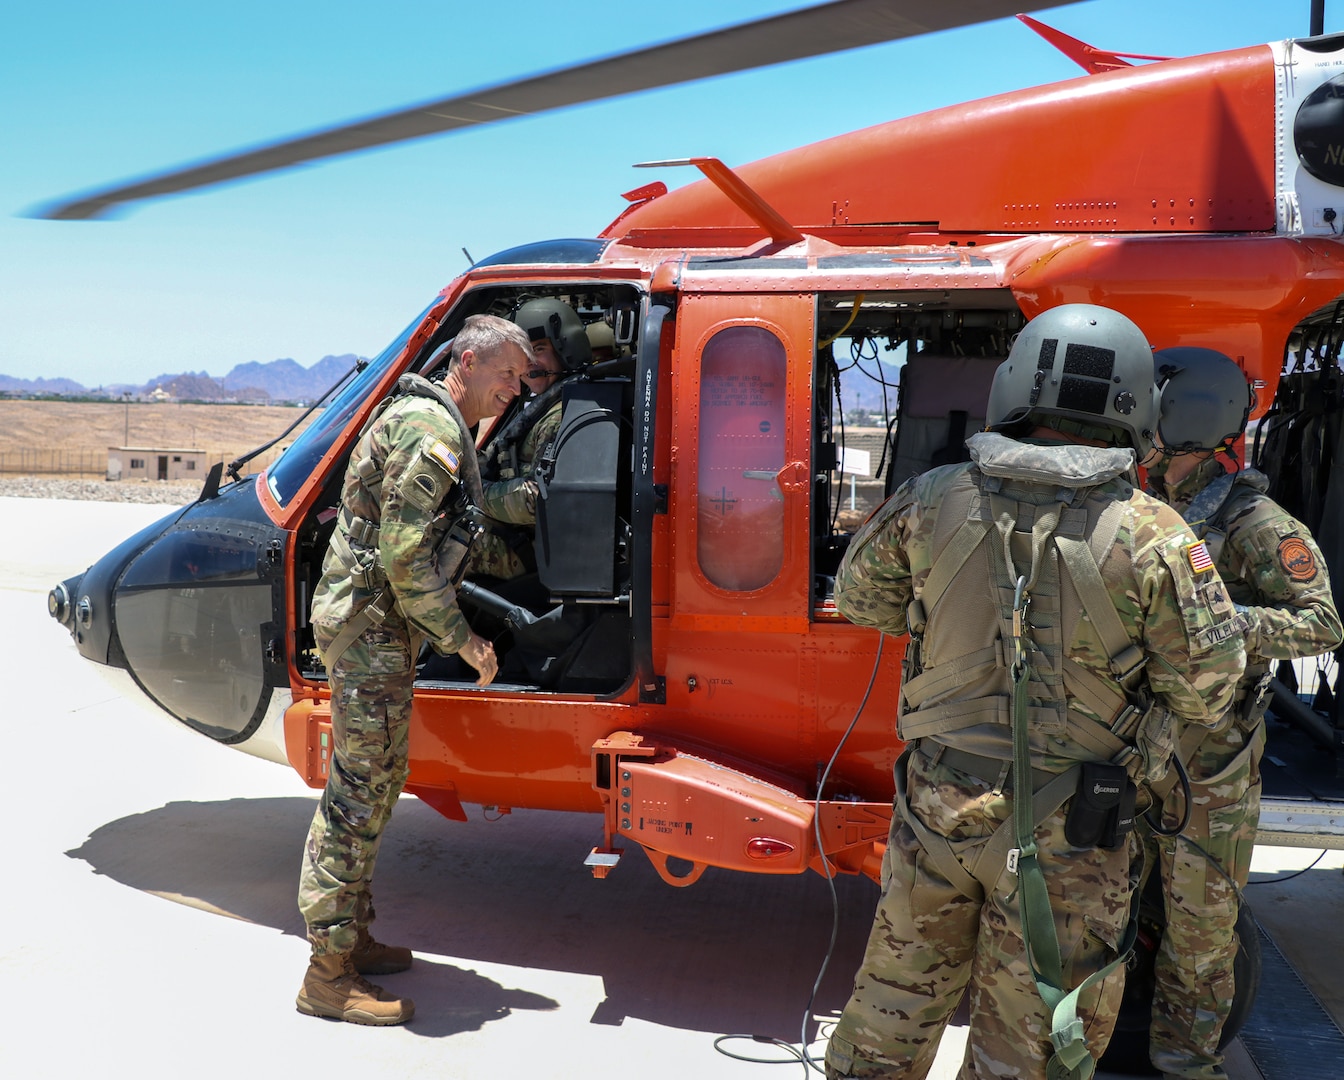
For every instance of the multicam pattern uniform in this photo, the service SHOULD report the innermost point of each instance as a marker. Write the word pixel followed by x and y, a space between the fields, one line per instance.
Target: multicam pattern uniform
pixel 409 460
pixel 1274 570
pixel 929 942
pixel 511 499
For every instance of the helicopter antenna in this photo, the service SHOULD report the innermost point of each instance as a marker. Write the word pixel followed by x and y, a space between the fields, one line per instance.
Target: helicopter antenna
pixel 238 463
pixel 1317 18
pixel 470 260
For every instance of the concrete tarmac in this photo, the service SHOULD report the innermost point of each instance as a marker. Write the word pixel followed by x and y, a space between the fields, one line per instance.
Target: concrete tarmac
pixel 150 925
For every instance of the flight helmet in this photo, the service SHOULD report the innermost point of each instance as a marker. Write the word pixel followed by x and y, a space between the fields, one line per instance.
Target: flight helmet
pixel 1205 399
pixel 1082 363
pixel 558 323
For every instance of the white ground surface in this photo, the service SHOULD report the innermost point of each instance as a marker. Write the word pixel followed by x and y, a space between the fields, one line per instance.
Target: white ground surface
pixel 150 926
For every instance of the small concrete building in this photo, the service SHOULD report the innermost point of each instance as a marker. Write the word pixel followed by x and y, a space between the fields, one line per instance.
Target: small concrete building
pixel 155 463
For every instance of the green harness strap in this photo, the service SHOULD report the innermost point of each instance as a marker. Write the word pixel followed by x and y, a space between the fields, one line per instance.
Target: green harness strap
pixel 1071 1060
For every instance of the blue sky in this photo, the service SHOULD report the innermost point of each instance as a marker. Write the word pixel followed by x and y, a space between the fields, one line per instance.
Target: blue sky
pixel 338 257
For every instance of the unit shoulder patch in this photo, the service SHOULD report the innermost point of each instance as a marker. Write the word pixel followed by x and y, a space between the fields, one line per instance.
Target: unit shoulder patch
pixel 1297 559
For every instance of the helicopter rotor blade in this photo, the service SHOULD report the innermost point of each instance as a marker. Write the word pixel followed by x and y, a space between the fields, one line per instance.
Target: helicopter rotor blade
pixel 813 31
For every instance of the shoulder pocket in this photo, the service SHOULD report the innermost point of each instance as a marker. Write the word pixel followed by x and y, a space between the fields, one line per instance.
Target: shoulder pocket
pixel 430 476
pixel 1205 606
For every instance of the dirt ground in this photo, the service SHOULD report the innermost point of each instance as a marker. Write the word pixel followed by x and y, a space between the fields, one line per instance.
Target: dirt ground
pixel 31 432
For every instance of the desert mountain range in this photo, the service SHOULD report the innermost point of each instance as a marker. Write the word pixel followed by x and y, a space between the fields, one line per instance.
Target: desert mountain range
pixel 279 382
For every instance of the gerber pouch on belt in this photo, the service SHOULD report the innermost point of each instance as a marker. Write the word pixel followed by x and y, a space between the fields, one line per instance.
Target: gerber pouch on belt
pixel 1102 811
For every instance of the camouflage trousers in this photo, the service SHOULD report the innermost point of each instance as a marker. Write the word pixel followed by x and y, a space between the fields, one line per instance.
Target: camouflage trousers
pixel 371 687
pixel 1194 967
pixel 930 945
pixel 493 556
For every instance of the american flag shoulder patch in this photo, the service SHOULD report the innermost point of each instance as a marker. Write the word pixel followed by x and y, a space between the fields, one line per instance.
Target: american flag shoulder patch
pixel 1198 555
pixel 441 453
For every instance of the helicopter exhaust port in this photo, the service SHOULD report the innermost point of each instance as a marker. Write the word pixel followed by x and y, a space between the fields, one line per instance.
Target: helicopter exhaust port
pixel 683 808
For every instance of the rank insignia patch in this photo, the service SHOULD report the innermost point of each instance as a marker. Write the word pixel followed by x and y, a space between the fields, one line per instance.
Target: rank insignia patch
pixel 444 456
pixel 1198 556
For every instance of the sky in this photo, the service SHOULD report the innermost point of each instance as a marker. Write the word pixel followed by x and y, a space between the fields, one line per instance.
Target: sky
pixel 337 257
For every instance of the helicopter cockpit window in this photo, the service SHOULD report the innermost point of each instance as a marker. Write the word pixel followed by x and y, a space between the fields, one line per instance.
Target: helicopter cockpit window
pixel 740 508
pixel 192 613
pixel 297 464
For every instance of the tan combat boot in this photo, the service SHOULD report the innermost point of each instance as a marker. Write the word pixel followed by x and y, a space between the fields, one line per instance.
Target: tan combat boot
pixel 374 958
pixel 333 988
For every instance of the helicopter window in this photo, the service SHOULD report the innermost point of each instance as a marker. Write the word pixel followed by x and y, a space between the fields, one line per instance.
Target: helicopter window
pixel 293 468
pixel 187 613
pixel 547 251
pixel 189 557
pixel 740 509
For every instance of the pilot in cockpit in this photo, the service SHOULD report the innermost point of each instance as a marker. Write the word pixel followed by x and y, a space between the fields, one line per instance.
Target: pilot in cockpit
pixel 511 459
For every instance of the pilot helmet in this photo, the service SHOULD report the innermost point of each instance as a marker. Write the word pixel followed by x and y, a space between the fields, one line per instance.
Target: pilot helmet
pixel 1081 363
pixel 558 323
pixel 1205 399
pixel 602 339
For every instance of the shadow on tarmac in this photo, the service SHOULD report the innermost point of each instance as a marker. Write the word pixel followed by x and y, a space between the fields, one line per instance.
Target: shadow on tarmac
pixel 733 953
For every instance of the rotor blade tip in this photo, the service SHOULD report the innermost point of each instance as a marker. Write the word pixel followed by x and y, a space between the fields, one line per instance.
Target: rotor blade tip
pixel 82 210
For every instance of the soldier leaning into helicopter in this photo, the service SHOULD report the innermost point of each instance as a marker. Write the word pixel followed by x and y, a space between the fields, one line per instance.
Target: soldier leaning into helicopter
pixel 387 585
pixel 1277 578
pixel 1061 622
pixel 559 347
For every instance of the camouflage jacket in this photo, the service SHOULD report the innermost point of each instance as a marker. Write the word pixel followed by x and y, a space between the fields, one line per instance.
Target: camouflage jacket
pixel 512 496
pixel 1179 617
pixel 1272 566
pixel 402 473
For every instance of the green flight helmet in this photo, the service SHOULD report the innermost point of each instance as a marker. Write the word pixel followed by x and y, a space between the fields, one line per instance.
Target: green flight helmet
pixel 557 322
pixel 1085 364
pixel 1205 399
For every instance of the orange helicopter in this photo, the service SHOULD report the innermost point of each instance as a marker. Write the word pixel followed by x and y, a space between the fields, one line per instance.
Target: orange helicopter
pixel 676 664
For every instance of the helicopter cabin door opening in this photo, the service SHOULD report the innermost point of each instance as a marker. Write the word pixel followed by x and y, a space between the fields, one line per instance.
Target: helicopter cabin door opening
pixel 562 621
pixel 904 376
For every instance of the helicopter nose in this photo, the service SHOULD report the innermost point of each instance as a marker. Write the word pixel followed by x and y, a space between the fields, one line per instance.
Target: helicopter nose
pixel 60 604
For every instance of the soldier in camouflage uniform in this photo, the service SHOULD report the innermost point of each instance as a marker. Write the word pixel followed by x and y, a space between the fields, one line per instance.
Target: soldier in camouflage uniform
pixel 1278 580
pixel 509 467
pixel 387 586
pixel 1121 633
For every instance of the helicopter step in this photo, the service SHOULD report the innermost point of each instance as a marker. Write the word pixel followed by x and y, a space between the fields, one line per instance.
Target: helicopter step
pixel 679 805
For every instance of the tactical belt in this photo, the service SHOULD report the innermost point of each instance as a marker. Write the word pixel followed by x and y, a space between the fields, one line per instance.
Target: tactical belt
pixel 988 867
pixel 988 770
